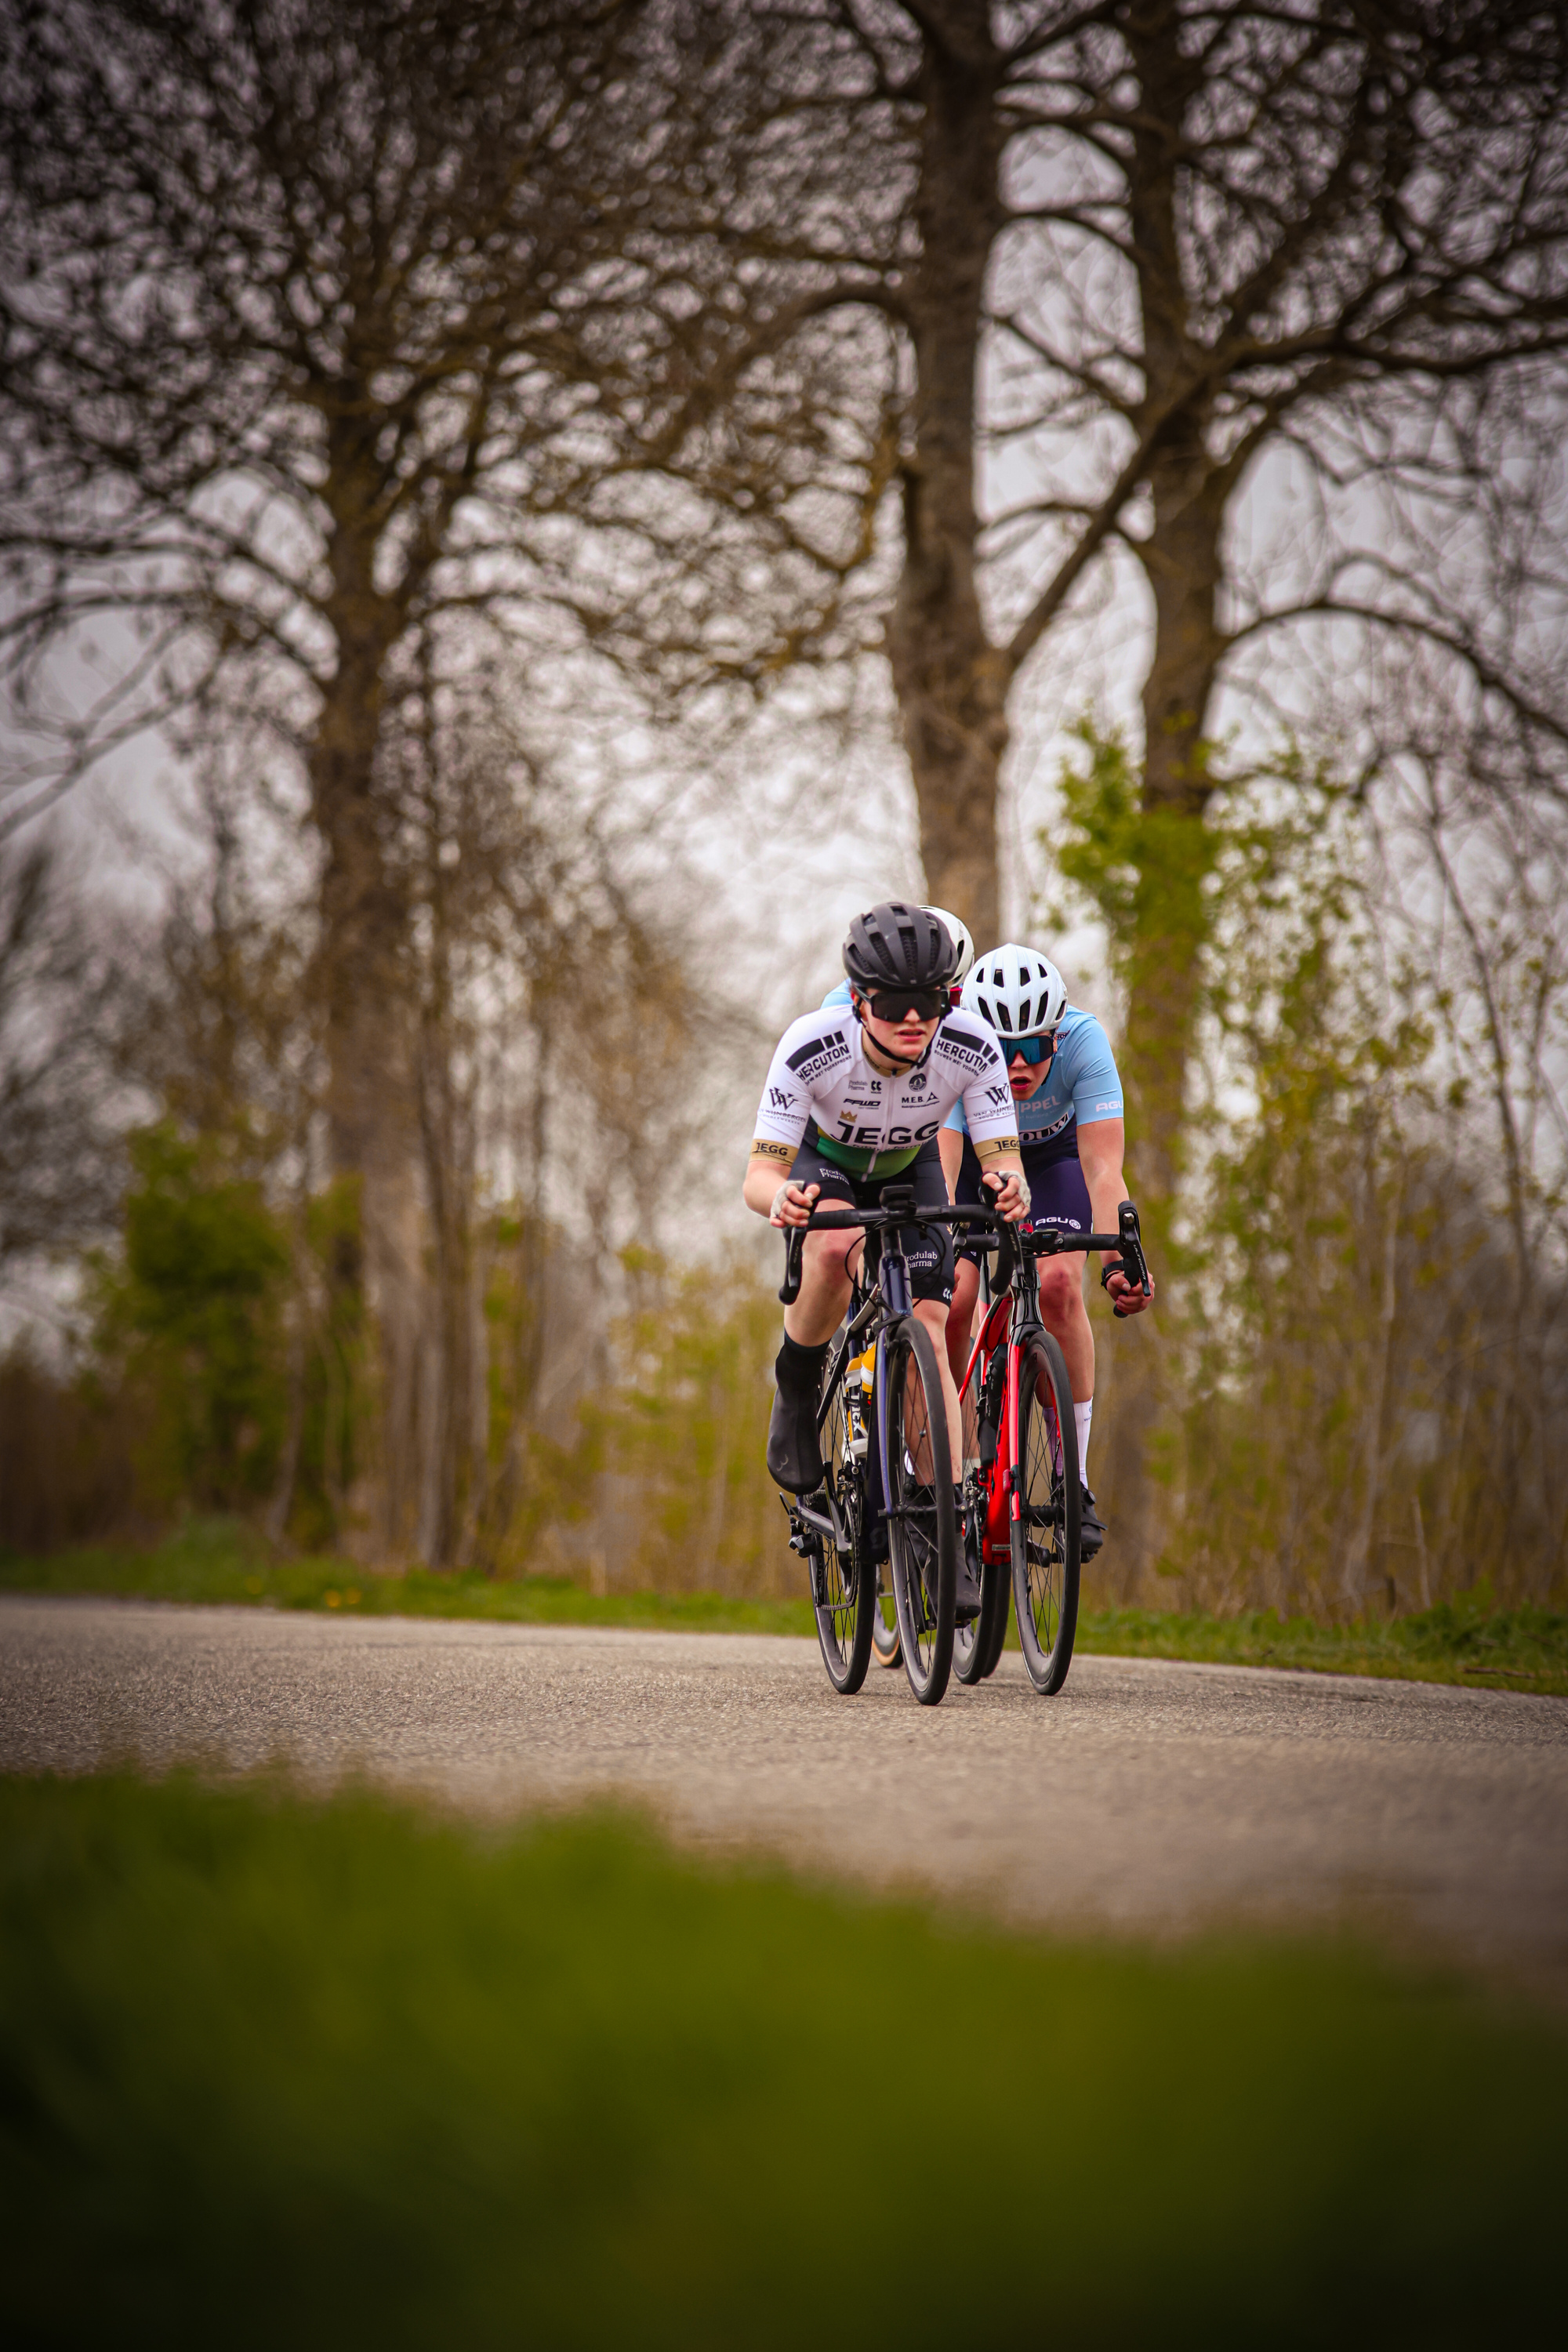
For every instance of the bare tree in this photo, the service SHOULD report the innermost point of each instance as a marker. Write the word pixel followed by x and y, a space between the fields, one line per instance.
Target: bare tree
pixel 333 333
pixel 60 1166
pixel 1139 262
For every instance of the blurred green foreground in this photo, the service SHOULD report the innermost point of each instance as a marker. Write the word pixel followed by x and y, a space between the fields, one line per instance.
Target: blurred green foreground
pixel 275 2071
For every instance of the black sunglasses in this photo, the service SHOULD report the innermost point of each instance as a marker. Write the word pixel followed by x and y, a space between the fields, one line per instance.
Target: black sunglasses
pixel 909 1003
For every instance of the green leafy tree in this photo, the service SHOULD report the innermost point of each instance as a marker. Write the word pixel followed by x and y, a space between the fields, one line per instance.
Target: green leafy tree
pixel 194 1313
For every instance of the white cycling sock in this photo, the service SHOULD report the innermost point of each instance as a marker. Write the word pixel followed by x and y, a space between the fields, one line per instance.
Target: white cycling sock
pixel 1083 1415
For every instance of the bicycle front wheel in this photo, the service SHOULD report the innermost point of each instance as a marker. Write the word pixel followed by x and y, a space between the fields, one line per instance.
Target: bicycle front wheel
pixel 843 1582
pixel 1046 1532
pixel 923 1535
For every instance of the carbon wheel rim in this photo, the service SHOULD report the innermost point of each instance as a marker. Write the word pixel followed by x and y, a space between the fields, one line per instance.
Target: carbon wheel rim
pixel 1044 1580
pixel 917 1468
pixel 838 1609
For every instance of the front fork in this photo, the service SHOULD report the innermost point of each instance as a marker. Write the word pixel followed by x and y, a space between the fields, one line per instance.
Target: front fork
pixel 1000 1503
pixel 1003 1504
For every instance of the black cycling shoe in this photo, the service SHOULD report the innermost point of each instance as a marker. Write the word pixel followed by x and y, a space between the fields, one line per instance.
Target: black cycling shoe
pixel 794 1461
pixel 1090 1525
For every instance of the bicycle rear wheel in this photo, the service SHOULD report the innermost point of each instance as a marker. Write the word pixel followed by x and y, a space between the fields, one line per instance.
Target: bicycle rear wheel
pixel 923 1538
pixel 843 1582
pixel 1045 1533
pixel 885 1646
pixel 998 1640
pixel 977 1645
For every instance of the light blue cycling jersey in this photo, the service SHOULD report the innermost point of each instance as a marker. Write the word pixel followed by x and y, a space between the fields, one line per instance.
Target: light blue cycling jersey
pixel 1084 1084
pixel 1083 1087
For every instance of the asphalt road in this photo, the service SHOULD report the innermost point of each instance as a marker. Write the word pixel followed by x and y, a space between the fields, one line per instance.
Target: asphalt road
pixel 1147 1796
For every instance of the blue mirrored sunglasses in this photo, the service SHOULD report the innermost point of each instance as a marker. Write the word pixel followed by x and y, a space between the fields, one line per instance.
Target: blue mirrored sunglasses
pixel 1029 1049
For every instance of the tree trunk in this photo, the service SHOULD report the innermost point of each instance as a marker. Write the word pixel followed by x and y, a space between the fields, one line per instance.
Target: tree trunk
pixel 371 1112
pixel 950 681
pixel 1181 561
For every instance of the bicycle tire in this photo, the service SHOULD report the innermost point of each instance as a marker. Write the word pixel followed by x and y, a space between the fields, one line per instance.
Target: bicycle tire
pixel 1002 1617
pixel 977 1645
pixel 923 1538
pixel 887 1647
pixel 843 1580
pixel 1046 1535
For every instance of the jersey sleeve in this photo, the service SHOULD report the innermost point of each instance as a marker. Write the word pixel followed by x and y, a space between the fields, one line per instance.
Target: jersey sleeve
pixel 1095 1082
pixel 837 999
pixel 956 1120
pixel 811 1049
pixel 785 1106
pixel 989 1113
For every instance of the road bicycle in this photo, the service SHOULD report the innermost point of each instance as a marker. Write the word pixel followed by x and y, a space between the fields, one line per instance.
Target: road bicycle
pixel 886 1491
pixel 886 1464
pixel 1022 1495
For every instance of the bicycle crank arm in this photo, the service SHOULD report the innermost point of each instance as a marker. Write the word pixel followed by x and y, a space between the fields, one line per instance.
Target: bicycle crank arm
pixel 815 1520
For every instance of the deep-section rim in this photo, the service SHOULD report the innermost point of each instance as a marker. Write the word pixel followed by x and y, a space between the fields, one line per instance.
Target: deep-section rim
pixel 977 1645
pixel 1055 1535
pixel 843 1617
pixel 887 1643
pixel 921 1539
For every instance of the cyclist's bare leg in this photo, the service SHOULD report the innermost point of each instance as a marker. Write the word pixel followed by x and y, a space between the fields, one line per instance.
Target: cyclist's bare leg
pixel 1065 1316
pixel 828 1262
pixel 961 1315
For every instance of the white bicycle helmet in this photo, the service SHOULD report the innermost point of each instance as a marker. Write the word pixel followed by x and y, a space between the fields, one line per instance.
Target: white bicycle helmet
pixel 958 932
pixel 1017 989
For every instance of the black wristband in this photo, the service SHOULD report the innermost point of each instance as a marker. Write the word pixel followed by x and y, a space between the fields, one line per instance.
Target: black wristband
pixel 1112 1265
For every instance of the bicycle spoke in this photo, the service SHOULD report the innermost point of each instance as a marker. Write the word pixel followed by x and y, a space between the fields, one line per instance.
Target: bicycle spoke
pixel 839 1582
pixel 1045 1538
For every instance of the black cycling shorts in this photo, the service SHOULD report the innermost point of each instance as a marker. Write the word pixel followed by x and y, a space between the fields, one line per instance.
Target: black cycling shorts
pixel 929 1255
pixel 1058 1192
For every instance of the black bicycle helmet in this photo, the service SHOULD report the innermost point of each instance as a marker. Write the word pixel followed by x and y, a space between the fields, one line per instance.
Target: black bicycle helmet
pixel 896 946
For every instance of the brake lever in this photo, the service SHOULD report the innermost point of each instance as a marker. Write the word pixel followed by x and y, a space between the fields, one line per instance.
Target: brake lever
pixel 795 1244
pixel 1134 1264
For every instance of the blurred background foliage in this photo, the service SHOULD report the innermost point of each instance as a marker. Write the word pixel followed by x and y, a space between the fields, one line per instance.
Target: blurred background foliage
pixel 1362 1382
pixel 584 456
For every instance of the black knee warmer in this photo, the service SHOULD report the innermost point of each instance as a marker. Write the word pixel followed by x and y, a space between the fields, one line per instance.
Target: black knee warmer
pixel 798 1369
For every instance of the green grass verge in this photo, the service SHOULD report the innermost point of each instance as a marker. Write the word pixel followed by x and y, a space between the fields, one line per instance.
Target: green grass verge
pixel 223 1560
pixel 275 2071
pixel 1468 1642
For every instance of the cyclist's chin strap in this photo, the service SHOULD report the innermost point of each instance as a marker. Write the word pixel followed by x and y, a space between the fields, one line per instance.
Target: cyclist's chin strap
pixel 897 1066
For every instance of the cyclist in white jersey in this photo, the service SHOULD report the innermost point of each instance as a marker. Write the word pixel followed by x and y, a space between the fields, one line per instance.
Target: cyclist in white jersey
pixel 855 1100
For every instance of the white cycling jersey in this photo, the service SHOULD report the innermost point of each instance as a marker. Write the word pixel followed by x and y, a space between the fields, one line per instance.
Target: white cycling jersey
pixel 873 1125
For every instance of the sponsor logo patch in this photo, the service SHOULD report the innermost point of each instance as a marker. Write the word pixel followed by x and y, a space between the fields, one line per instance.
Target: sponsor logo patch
pixel 823 1053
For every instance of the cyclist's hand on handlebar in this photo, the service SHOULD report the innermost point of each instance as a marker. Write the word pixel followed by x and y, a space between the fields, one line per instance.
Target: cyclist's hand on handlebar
pixel 793 1203
pixel 1126 1298
pixel 1012 1194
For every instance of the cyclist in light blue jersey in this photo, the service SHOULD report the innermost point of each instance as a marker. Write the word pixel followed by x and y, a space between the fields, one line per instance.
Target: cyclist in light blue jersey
pixel 1069 1099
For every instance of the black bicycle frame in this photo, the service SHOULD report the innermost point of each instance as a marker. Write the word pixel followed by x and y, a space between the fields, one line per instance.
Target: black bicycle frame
pixel 887 1289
